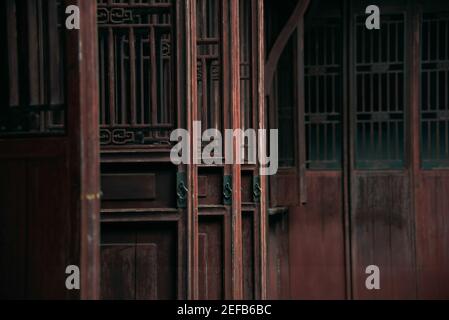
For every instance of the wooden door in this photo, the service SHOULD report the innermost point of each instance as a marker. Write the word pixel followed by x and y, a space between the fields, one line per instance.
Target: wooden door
pixel 178 231
pixel 371 109
pixel 49 186
pixel 142 99
pixel 307 245
pixel 382 218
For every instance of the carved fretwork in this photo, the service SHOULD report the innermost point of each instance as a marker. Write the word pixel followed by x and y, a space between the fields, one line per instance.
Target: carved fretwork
pixel 209 72
pixel 137 79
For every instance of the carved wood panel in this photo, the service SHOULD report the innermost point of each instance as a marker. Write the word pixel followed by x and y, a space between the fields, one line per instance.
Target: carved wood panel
pixel 137 72
pixel 139 261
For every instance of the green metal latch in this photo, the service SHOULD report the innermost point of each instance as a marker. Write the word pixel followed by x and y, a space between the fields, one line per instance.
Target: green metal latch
pixel 227 190
pixel 181 190
pixel 257 189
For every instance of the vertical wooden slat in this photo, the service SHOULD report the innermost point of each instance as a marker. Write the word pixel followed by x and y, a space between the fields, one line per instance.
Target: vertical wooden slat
pixel 13 68
pixel 347 151
pixel 111 76
pixel 263 221
pixel 192 170
pixel 83 121
pixel 301 113
pixel 153 77
pixel 54 55
pixel 413 130
pixel 180 121
pixel 33 70
pixel 122 79
pixel 237 259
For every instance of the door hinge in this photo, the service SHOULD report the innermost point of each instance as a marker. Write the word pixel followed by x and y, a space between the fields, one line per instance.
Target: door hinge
pixel 227 190
pixel 181 190
pixel 257 189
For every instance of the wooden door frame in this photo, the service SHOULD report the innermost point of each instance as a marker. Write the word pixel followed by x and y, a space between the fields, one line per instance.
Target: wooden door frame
pixel 83 144
pixel 76 150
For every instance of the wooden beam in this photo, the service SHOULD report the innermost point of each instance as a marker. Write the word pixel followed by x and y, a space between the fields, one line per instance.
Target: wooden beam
pixel 282 40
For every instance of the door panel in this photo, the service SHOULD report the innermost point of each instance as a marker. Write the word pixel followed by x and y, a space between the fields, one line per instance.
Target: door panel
pixel 316 228
pixel 49 160
pixel 143 215
pixel 432 160
pixel 211 258
pixel 375 136
pixel 139 260
pixel 383 235
pixel 163 66
pixel 382 219
pixel 278 255
pixel 432 235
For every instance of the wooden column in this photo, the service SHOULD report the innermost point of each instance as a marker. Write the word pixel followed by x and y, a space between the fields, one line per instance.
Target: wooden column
pixel 84 149
pixel 192 172
pixel 261 124
pixel 237 251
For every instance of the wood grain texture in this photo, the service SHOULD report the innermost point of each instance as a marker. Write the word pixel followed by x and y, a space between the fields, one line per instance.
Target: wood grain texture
pixel 139 261
pixel 317 268
pixel 383 235
pixel 211 258
pixel 432 236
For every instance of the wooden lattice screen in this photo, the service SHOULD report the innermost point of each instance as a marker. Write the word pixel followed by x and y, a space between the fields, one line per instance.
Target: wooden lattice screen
pixel 137 85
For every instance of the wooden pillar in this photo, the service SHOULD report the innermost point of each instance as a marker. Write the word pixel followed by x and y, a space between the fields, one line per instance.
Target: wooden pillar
pixel 261 124
pixel 83 121
pixel 192 172
pixel 237 250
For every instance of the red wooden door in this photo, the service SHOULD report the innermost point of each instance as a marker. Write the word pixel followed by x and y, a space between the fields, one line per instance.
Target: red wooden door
pixel 145 197
pixel 380 189
pixel 191 230
pixel 49 186
pixel 365 117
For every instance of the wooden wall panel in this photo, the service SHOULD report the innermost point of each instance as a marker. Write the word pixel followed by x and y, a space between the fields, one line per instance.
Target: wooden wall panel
pixel 139 261
pixel 129 186
pixel 210 186
pixel 138 185
pixel 47 253
pixel 432 235
pixel 279 194
pixel 118 276
pixel 147 269
pixel 278 281
pixel 248 256
pixel 33 198
pixel 13 191
pixel 211 258
pixel 317 267
pixel 383 235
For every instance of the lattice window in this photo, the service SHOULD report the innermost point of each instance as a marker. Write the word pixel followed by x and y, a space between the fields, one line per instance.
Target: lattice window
pixel 209 63
pixel 380 93
pixel 435 90
pixel 33 86
pixel 137 78
pixel 323 93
